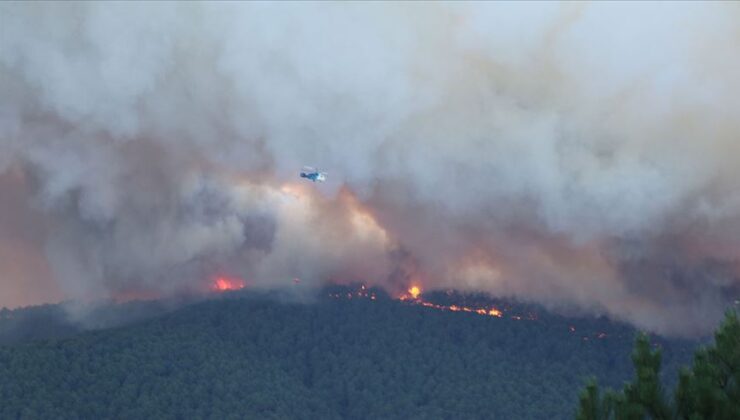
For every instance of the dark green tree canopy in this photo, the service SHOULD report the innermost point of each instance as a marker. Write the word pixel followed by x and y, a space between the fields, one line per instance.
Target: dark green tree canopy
pixel 255 357
pixel 708 390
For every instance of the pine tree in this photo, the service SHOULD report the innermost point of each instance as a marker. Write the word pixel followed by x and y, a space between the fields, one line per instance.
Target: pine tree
pixel 592 406
pixel 709 390
pixel 644 396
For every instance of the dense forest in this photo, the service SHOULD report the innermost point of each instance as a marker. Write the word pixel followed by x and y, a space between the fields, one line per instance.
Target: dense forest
pixel 249 355
pixel 69 319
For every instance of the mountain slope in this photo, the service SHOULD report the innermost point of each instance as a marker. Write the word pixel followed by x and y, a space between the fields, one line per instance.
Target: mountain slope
pixel 254 357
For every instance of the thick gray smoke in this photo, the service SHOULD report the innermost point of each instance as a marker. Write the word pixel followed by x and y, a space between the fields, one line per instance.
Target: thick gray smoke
pixel 578 155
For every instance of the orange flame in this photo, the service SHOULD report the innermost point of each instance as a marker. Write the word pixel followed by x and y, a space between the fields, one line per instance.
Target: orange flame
pixel 413 295
pixel 224 284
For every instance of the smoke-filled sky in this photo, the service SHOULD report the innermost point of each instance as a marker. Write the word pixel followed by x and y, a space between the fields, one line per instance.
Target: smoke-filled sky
pixel 580 155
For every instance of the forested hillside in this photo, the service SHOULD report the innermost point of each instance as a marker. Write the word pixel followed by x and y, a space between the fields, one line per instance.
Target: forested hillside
pixel 68 319
pixel 249 356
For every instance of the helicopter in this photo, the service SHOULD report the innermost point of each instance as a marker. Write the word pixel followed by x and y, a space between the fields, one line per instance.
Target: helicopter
pixel 313 174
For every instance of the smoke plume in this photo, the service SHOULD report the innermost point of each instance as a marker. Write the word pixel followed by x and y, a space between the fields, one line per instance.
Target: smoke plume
pixel 578 155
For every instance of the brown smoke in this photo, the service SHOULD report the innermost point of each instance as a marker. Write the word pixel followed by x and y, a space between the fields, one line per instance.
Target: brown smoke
pixel 578 155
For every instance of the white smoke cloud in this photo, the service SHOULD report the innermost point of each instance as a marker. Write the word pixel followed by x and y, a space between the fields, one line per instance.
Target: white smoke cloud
pixel 572 154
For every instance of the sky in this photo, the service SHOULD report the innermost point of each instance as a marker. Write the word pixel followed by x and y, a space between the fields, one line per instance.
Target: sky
pixel 578 155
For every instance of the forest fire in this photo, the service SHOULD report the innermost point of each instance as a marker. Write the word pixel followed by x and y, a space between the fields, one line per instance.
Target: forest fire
pixel 225 284
pixel 363 292
pixel 413 295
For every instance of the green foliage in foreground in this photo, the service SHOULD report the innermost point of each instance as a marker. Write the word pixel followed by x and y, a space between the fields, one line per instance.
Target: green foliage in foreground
pixel 332 359
pixel 709 390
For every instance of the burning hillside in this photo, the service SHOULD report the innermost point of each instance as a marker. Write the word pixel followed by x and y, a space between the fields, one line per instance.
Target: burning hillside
pixel 330 359
pixel 451 301
pixel 414 296
pixel 224 284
